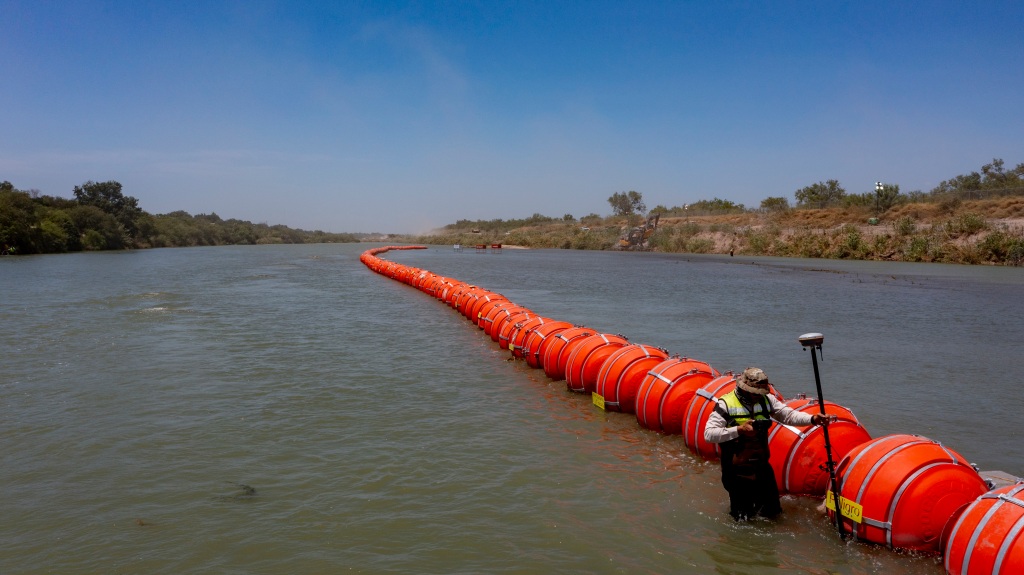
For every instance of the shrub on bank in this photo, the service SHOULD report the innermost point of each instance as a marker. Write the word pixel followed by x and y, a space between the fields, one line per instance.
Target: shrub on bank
pixel 999 246
pixel 849 243
pixel 904 226
pixel 700 246
pixel 965 224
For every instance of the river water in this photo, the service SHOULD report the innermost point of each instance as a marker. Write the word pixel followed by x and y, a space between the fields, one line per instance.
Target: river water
pixel 282 409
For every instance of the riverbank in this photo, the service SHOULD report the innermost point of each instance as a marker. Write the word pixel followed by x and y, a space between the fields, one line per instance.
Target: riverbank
pixel 977 232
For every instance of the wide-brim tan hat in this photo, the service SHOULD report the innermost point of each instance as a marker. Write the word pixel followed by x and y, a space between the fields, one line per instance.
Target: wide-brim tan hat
pixel 753 380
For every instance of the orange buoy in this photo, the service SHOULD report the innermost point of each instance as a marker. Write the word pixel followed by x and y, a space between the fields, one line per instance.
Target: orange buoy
pixel 455 293
pixel 908 488
pixel 435 285
pixel 533 345
pixel 511 327
pixel 700 409
pixel 401 273
pixel 797 454
pixel 557 352
pixel 477 307
pixel 448 295
pixel 469 305
pixel 522 329
pixel 442 289
pixel 463 300
pixel 427 284
pixel 409 274
pixel 622 373
pixel 585 361
pixel 489 311
pixel 987 537
pixel 421 276
pixel 423 279
pixel 666 391
pixel 505 317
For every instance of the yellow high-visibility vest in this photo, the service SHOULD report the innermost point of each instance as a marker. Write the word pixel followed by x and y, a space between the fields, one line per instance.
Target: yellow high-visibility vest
pixel 738 414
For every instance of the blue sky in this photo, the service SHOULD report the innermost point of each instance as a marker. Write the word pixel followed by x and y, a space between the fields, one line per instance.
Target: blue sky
pixel 402 117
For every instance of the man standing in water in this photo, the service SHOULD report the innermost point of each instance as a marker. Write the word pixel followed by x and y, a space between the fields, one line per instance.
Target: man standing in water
pixel 740 426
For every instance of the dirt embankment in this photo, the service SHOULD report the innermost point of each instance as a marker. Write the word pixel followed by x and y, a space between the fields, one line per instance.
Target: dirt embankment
pixel 979 231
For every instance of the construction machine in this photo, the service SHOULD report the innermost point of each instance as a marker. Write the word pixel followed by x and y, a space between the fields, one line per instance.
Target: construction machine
pixel 637 238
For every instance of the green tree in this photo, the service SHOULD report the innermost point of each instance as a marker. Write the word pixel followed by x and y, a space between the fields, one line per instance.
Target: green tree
pixel 775 204
pixel 108 197
pixel 961 183
pixel 715 205
pixel 820 194
pixel 886 197
pixel 100 230
pixel 60 234
pixel 993 176
pixel 627 203
pixel 17 220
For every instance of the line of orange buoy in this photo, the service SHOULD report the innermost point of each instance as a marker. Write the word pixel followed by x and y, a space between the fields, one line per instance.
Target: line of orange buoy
pixel 902 491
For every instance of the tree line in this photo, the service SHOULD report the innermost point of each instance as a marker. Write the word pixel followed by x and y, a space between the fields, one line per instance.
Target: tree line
pixel 993 179
pixel 102 217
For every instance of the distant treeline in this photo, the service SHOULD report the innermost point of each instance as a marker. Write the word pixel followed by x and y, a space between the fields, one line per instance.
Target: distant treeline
pixel 101 217
pixel 993 180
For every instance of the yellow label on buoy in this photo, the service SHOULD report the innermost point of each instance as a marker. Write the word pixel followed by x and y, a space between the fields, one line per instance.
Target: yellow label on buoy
pixel 851 509
pixel 511 347
pixel 598 399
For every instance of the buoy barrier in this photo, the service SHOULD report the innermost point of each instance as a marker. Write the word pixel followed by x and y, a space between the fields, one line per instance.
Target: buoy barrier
pixel 622 373
pixel 797 454
pixel 506 317
pixel 460 297
pixel 419 278
pixel 522 330
pixel 557 353
pixel 489 312
pixel 451 291
pixel 585 361
pixel 665 393
pixel 533 346
pixel 901 490
pixel 469 306
pixel 476 306
pixel 988 535
pixel 512 331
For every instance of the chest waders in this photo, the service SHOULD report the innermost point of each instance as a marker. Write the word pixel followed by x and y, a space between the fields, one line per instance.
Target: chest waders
pixel 742 456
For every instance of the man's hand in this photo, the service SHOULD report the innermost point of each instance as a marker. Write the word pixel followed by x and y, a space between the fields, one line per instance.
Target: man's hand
pixel 747 429
pixel 819 419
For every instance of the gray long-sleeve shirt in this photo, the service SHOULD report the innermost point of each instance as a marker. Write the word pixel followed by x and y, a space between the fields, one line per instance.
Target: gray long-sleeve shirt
pixel 716 431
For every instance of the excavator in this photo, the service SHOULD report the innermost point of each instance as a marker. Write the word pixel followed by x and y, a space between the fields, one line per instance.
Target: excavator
pixel 637 238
